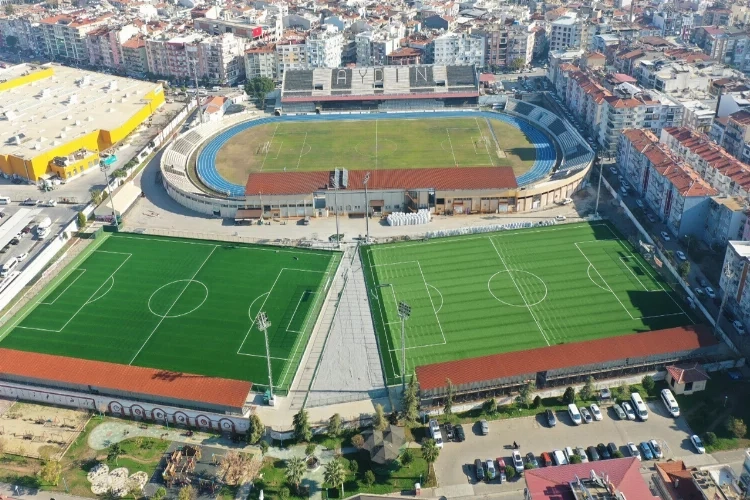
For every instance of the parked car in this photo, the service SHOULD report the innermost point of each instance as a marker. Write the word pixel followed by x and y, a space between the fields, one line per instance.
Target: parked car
pixel 586 415
pixel 628 410
pixel 458 432
pixel 485 427
pixel 702 282
pixel 15 241
pixel 26 230
pixel 439 441
pixel 603 451
pixel 23 256
pixel 739 327
pixel 633 449
pixel 546 459
pixel 479 470
pixel 656 449
pixel 710 292
pixel 698 291
pixel 697 443
pixel 651 218
pixel 49 203
pixel 613 170
pixel 501 470
pixel 665 236
pixel 551 420
pixel 620 412
pixel 531 459
pixel 681 255
pixel 645 449
pixel 593 454
pixel 448 431
pixel 560 218
pixel 582 453
pixel 491 471
pixel 517 461
pixel 639 203
pixel 612 448
pixel 595 412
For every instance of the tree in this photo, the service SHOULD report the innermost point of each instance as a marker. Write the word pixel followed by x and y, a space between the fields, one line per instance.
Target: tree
pixel 284 493
pixel 96 196
pixel 295 469
pixel 258 87
pixel 160 493
pixel 407 457
pixel 448 410
pixel 334 474
pixel 9 10
pixel 354 467
pixel 114 451
pixel 186 493
pixel 378 420
pixel 528 466
pixel 517 64
pixel 255 429
pixel 684 269
pixel 569 396
pixel 524 394
pixel 575 459
pixel 617 454
pixel 334 425
pixel 537 401
pixel 235 467
pixel 302 431
pixel 587 391
pixel 358 441
pixel 510 472
pixel 490 406
pixel 411 401
pixel 648 383
pixel 263 447
pixel 369 478
pixel 737 427
pixel 430 453
pixel 709 438
pixel 51 471
pixel 310 449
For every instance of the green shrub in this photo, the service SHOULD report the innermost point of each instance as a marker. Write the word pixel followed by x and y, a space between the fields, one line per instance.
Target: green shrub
pixel 537 402
pixel 710 438
pixel 369 478
pixel 407 457
pixel 510 472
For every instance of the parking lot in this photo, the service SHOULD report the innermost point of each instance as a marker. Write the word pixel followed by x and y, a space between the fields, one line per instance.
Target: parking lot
pixel 456 462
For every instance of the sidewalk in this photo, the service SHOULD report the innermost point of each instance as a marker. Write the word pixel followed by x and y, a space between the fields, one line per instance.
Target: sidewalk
pixel 9 491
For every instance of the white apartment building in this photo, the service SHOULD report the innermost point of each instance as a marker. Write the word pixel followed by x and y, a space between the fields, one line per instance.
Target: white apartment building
pixel 566 33
pixel 64 36
pixel 104 45
pixel 324 48
pixel 25 31
pixel 521 43
pixel 671 77
pixel 459 48
pixel 697 116
pixel 734 278
pixel 261 62
pixel 220 59
pixel 174 57
pixel 372 47
pixel 291 53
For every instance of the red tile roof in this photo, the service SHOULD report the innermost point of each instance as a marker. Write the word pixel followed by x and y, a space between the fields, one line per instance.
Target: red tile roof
pixel 556 357
pixel 679 481
pixel 554 482
pixel 685 374
pixel 123 378
pixel 437 178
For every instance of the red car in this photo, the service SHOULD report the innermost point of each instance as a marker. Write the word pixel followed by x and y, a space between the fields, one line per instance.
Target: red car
pixel 501 470
pixel 546 459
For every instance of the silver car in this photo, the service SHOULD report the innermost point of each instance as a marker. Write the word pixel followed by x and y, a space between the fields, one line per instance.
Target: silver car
pixel 628 410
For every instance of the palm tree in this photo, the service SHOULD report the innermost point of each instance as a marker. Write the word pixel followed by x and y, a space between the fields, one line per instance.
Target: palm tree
pixel 334 474
pixel 295 469
pixel 430 452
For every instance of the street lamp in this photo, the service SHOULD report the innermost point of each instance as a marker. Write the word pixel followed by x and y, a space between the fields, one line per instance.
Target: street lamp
pixel 367 208
pixel 104 168
pixel 404 311
pixel 263 325
pixel 601 172
pixel 336 211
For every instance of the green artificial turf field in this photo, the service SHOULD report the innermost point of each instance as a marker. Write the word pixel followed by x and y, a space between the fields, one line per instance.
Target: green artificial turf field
pixel 514 290
pixel 374 144
pixel 180 305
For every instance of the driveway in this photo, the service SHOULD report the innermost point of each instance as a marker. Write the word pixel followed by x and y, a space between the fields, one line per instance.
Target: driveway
pixel 456 462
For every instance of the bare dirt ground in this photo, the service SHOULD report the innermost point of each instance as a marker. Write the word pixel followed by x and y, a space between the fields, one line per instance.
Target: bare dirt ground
pixel 32 430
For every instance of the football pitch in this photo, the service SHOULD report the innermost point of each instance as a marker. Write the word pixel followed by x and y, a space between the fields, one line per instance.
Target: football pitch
pixel 375 144
pixel 508 291
pixel 180 305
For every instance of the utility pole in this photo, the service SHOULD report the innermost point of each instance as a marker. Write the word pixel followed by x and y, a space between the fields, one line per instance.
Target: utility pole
pixel 404 311
pixel 104 168
pixel 263 325
pixel 367 209
pixel 336 211
pixel 601 172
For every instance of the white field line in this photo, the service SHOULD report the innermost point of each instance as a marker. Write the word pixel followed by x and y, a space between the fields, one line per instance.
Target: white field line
pixel 262 356
pixel 85 303
pixel 187 284
pixel 295 313
pixel 451 145
pixel 394 263
pixel 269 146
pixel 604 281
pixel 301 151
pixel 485 140
pixel 66 289
pixel 523 297
pixel 221 243
pixel 385 324
pixel 278 151
pixel 427 290
pixel 376 144
pixel 637 278
pixel 253 319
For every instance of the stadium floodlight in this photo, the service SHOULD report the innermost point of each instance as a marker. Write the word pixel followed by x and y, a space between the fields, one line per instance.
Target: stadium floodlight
pixel 336 208
pixel 367 208
pixel 404 311
pixel 105 168
pixel 263 324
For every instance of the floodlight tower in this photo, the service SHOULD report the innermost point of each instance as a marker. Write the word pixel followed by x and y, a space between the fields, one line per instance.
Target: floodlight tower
pixel 105 168
pixel 367 209
pixel 263 325
pixel 404 311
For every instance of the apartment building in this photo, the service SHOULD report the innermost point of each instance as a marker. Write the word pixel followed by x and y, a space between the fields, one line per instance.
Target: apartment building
pixel 24 29
pixel 521 38
pixel 134 57
pixel 697 116
pixel 324 47
pixel 460 48
pixel 291 53
pixel 174 57
pixel 220 59
pixel 242 28
pixel 672 77
pixel 373 47
pixel 734 278
pixel 261 62
pixel 104 45
pixel 567 32
pixel 64 36
pixel 736 133
pixel 496 47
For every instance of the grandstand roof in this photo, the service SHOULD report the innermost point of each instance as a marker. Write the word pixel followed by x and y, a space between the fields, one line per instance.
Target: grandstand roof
pixel 380 83
pixel 556 357
pixel 469 178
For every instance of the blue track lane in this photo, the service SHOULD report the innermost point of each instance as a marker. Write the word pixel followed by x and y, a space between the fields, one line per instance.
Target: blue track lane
pixel 206 163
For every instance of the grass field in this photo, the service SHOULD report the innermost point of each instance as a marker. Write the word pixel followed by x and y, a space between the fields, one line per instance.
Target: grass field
pixel 491 293
pixel 374 144
pixel 180 305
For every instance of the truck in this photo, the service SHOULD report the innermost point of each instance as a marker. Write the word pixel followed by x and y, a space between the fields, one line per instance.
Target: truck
pixel 43 228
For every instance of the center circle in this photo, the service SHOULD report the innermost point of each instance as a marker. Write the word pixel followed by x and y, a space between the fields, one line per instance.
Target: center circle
pixel 177 298
pixel 385 147
pixel 503 285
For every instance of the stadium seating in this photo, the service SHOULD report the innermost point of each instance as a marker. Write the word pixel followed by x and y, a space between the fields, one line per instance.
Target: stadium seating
pixel 395 80
pixel 299 80
pixel 524 108
pixel 341 79
pixel 420 77
pixel 461 76
pixel 557 127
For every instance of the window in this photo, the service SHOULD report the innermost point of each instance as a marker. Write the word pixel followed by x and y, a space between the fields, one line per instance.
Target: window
pixel 689 386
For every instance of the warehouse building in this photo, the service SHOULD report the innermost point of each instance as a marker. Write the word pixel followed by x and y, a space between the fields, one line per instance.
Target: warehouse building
pixel 56 120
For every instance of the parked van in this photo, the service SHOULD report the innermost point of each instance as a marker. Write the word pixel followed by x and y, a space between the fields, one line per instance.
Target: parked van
pixel 575 415
pixel 8 267
pixel 559 458
pixel 639 406
pixel 670 403
pixel 4 200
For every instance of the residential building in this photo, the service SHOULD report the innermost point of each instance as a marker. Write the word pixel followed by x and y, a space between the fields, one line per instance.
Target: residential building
pixel 64 36
pixel 675 481
pixel 521 39
pixel 291 53
pixel 221 59
pixel 238 27
pixel 726 220
pixel 104 45
pixel 134 57
pixel 261 61
pixel 737 132
pixel 698 115
pixel 567 33
pixel 373 47
pixel 324 48
pixel 733 281
pixel 460 48
pixel 174 57
pixel 496 47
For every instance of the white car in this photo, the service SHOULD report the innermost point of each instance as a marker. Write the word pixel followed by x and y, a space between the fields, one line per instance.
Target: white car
pixel 49 203
pixel 633 449
pixel 656 449
pixel 517 461
pixel 628 410
pixel 439 441
pixel 681 255
pixel 651 218
pixel 582 453
pixel 560 218
pixel 710 292
pixel 596 412
pixel 567 201
pixel 23 256
pixel 697 443
pixel 665 236
pixel 585 414
pixel 613 170
pixel 623 190
pixel 639 203
pixel 739 327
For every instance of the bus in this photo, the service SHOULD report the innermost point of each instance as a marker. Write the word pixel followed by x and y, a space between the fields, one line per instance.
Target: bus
pixel 639 406
pixel 670 403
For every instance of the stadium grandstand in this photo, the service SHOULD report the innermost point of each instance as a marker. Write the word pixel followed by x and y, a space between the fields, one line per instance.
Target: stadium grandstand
pixel 379 88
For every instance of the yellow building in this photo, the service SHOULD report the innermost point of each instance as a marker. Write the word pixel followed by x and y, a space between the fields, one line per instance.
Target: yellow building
pixel 56 119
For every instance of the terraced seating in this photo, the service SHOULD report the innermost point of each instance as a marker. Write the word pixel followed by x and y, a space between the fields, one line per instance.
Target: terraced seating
pixel 459 76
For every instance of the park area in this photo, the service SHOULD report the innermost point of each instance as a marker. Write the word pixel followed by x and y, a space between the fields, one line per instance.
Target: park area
pixel 180 305
pixel 471 296
pixel 427 142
